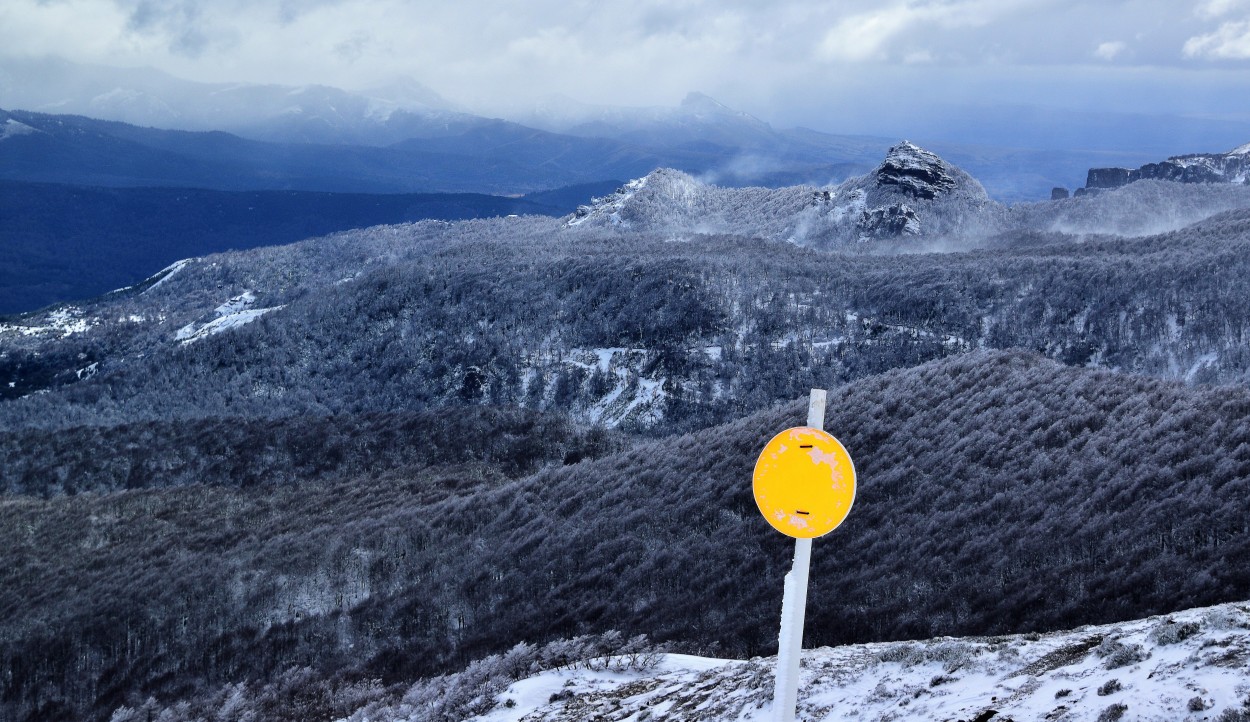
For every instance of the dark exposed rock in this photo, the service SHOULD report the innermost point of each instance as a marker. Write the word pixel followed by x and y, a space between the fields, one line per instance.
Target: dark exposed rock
pixel 1109 177
pixel 1059 194
pixel 890 222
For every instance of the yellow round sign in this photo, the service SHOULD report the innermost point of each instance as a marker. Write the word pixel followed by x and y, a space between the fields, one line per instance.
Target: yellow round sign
pixel 804 482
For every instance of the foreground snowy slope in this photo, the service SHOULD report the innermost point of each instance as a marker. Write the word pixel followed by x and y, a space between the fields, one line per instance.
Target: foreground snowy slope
pixel 1192 665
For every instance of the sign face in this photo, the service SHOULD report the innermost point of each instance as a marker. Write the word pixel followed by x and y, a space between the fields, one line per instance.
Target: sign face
pixel 804 482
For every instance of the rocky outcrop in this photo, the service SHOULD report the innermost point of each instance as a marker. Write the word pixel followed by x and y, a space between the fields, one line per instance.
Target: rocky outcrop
pixel 1231 167
pixel 889 222
pixel 916 171
pixel 913 192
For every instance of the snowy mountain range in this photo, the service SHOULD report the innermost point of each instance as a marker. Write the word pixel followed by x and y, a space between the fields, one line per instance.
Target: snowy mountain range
pixel 150 98
pixel 887 203
pixel 912 199
pixel 699 136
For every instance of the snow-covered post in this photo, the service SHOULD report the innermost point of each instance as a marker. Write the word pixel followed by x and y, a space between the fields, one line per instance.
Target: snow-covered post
pixel 790 642
pixel 794 602
pixel 804 485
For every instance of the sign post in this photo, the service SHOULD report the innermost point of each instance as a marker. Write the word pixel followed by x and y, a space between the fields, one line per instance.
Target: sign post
pixel 804 485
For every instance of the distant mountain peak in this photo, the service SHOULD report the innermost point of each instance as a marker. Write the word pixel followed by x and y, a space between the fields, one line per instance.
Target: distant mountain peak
pixel 1240 150
pixel 410 94
pixel 700 102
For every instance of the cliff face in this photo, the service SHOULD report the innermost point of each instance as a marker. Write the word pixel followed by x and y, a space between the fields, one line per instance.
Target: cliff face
pixel 1231 167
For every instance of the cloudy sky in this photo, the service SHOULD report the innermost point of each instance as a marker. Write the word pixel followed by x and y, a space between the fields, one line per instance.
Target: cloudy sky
pixel 787 61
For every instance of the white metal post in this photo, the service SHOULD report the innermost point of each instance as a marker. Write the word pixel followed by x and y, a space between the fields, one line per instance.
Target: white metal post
pixel 794 603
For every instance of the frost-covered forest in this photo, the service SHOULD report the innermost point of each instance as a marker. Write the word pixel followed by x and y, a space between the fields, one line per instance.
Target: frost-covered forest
pixel 292 482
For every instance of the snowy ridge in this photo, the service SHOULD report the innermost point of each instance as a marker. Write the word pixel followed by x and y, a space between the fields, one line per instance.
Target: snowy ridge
pixel 1185 666
pixel 610 206
pixel 911 193
pixel 166 273
pixel 916 200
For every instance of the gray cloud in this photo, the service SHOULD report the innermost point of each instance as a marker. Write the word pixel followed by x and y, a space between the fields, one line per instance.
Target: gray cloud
pixel 785 60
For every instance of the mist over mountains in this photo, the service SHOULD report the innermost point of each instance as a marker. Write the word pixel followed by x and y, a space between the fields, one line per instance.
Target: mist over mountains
pixel 699 135
pixel 150 98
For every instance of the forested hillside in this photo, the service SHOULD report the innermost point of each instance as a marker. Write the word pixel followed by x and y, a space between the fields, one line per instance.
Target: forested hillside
pixel 247 452
pixel 613 327
pixel 999 492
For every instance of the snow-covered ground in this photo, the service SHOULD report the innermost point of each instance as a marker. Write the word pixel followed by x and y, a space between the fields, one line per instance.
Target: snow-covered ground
pixel 60 323
pixel 631 397
pixel 166 273
pixel 231 314
pixel 13 128
pixel 1193 665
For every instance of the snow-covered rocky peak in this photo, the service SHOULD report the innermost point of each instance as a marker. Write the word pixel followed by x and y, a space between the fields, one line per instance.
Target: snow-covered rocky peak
pixel 913 192
pixel 1240 150
pixel 672 202
pixel 672 183
pixel 918 178
pixel 915 171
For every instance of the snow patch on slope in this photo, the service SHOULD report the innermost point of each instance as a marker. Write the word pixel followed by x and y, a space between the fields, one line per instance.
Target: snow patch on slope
pixel 232 314
pixel 61 323
pixel 13 128
pixel 632 399
pixel 166 273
